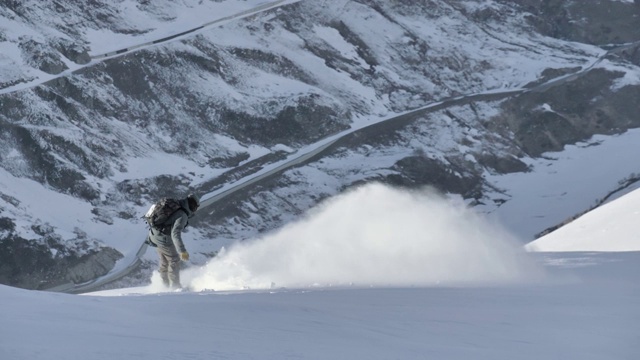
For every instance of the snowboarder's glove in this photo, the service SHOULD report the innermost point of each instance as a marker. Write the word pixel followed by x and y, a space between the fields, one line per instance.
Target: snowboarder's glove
pixel 184 256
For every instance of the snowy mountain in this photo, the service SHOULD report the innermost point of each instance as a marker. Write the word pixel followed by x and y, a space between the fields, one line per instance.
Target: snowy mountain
pixel 107 106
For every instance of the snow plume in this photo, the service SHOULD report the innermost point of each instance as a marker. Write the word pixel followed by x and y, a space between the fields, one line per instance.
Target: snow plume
pixel 373 236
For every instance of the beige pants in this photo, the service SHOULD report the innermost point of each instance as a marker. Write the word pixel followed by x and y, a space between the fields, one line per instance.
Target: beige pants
pixel 169 266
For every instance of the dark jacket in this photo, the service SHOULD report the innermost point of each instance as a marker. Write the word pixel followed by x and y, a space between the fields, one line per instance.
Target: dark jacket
pixel 179 221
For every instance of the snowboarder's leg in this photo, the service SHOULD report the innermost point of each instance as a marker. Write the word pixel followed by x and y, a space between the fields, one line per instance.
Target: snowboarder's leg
pixel 164 256
pixel 174 271
pixel 170 266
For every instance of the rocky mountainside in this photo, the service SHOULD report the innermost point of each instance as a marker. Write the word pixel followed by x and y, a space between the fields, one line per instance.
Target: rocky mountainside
pixel 204 108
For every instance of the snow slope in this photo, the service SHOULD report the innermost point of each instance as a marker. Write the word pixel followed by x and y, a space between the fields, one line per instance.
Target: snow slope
pixel 577 305
pixel 605 229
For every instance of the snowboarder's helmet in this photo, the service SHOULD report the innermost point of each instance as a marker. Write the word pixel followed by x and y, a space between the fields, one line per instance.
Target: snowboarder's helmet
pixel 194 202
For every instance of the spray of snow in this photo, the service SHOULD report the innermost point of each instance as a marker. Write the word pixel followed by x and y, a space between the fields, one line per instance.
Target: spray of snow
pixel 373 236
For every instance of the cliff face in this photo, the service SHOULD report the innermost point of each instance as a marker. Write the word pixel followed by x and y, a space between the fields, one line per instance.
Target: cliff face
pixel 205 107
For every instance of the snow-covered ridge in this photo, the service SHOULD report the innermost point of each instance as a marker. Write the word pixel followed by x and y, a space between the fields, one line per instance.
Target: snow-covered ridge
pixel 603 229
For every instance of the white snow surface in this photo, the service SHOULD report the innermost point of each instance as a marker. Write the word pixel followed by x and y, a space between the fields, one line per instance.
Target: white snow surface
pixel 448 284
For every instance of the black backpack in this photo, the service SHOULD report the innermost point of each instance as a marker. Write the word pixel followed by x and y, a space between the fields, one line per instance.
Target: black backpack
pixel 160 212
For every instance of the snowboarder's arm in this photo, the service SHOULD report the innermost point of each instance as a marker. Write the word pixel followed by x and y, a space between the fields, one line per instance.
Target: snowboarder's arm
pixel 176 232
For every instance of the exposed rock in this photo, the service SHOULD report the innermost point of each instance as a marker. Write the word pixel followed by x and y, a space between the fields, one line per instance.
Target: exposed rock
pixel 92 266
pixel 42 264
pixel 417 171
pixel 41 57
pixel 503 165
pixel 592 22
pixel 74 52
pixel 571 112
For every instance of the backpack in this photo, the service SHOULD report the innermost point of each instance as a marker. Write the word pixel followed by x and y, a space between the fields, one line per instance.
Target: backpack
pixel 160 212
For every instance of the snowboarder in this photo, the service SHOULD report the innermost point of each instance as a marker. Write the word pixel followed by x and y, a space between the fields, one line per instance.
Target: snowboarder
pixel 168 240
